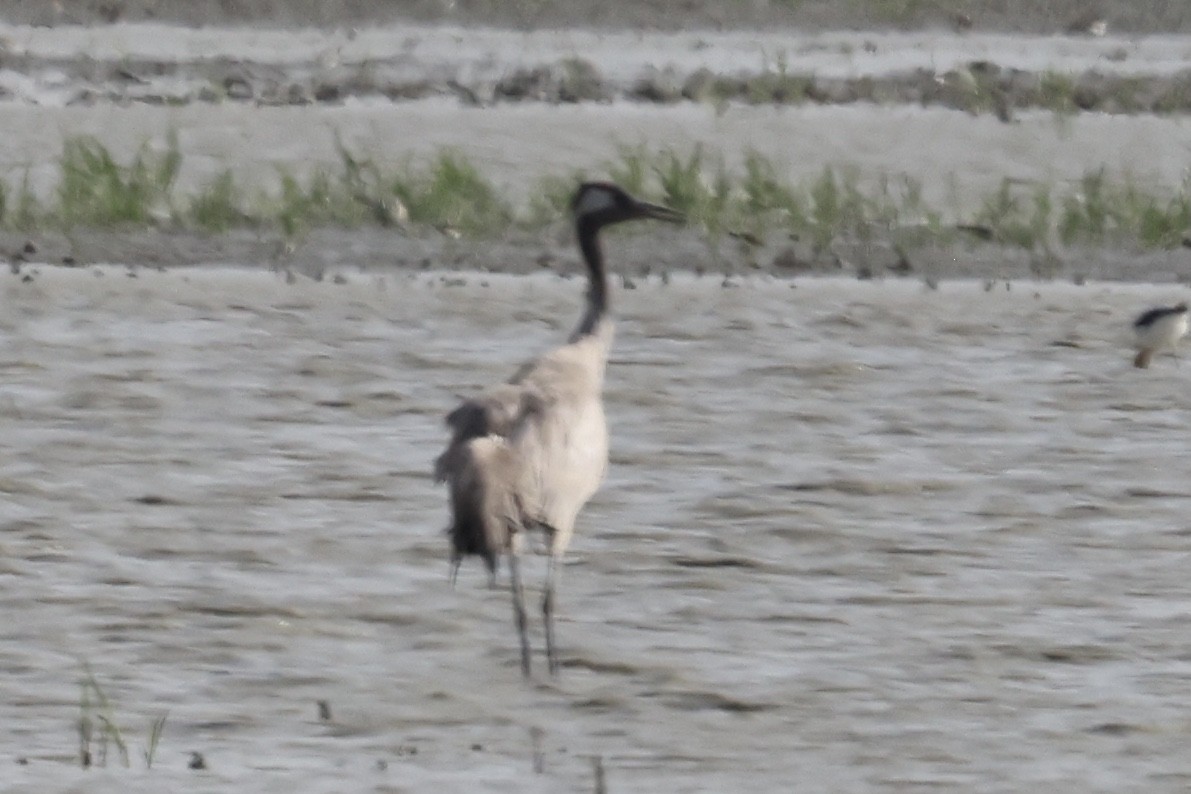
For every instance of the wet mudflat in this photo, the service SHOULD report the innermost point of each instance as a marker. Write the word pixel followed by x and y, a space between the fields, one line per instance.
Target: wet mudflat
pixel 862 536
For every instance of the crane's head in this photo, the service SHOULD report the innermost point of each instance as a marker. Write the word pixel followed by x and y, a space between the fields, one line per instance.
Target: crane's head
pixel 603 203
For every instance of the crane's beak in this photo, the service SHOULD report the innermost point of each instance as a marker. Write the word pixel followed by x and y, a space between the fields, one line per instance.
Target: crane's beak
pixel 659 213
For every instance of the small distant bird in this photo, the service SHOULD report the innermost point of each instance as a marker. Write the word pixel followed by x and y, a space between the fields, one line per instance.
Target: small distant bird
pixel 1088 23
pixel 525 456
pixel 1157 330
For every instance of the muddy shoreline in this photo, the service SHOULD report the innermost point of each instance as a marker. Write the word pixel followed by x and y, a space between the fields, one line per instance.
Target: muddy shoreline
pixel 331 254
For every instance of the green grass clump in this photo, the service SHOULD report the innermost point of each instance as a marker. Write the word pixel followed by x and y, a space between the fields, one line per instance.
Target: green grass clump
pixel 322 199
pixel 1087 213
pixel 1154 221
pixel 1100 212
pixel 26 211
pixel 838 209
pixel 95 190
pixel 350 197
pixel 766 198
pixel 687 185
pixel 1015 219
pixel 218 206
pixel 452 193
pixel 1056 91
pixel 632 170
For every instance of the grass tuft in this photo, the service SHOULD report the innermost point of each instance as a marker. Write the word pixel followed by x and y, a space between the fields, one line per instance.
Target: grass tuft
pixel 96 712
pixel 95 190
pixel 218 206
pixel 98 729
pixel 1015 219
pixel 453 194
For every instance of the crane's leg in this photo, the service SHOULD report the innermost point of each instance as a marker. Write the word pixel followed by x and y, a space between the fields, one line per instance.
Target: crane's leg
pixel 490 564
pixel 548 611
pixel 519 599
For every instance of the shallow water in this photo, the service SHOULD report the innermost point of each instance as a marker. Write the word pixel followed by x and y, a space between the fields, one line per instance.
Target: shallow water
pixel 861 536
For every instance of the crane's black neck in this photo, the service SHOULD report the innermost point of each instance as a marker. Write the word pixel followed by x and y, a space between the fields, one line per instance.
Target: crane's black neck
pixel 588 230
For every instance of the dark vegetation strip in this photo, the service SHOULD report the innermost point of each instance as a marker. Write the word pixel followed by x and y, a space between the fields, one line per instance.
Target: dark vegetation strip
pixel 979 87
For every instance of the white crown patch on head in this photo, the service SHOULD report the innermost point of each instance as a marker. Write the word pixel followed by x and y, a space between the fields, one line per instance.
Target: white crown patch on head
pixel 594 199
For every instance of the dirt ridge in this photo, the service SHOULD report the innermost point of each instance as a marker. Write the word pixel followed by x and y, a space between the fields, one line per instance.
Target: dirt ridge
pixel 1017 16
pixel 978 87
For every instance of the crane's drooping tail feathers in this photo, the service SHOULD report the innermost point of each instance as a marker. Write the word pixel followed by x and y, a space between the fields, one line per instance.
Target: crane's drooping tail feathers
pixel 484 469
pixel 483 505
pixel 1143 357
